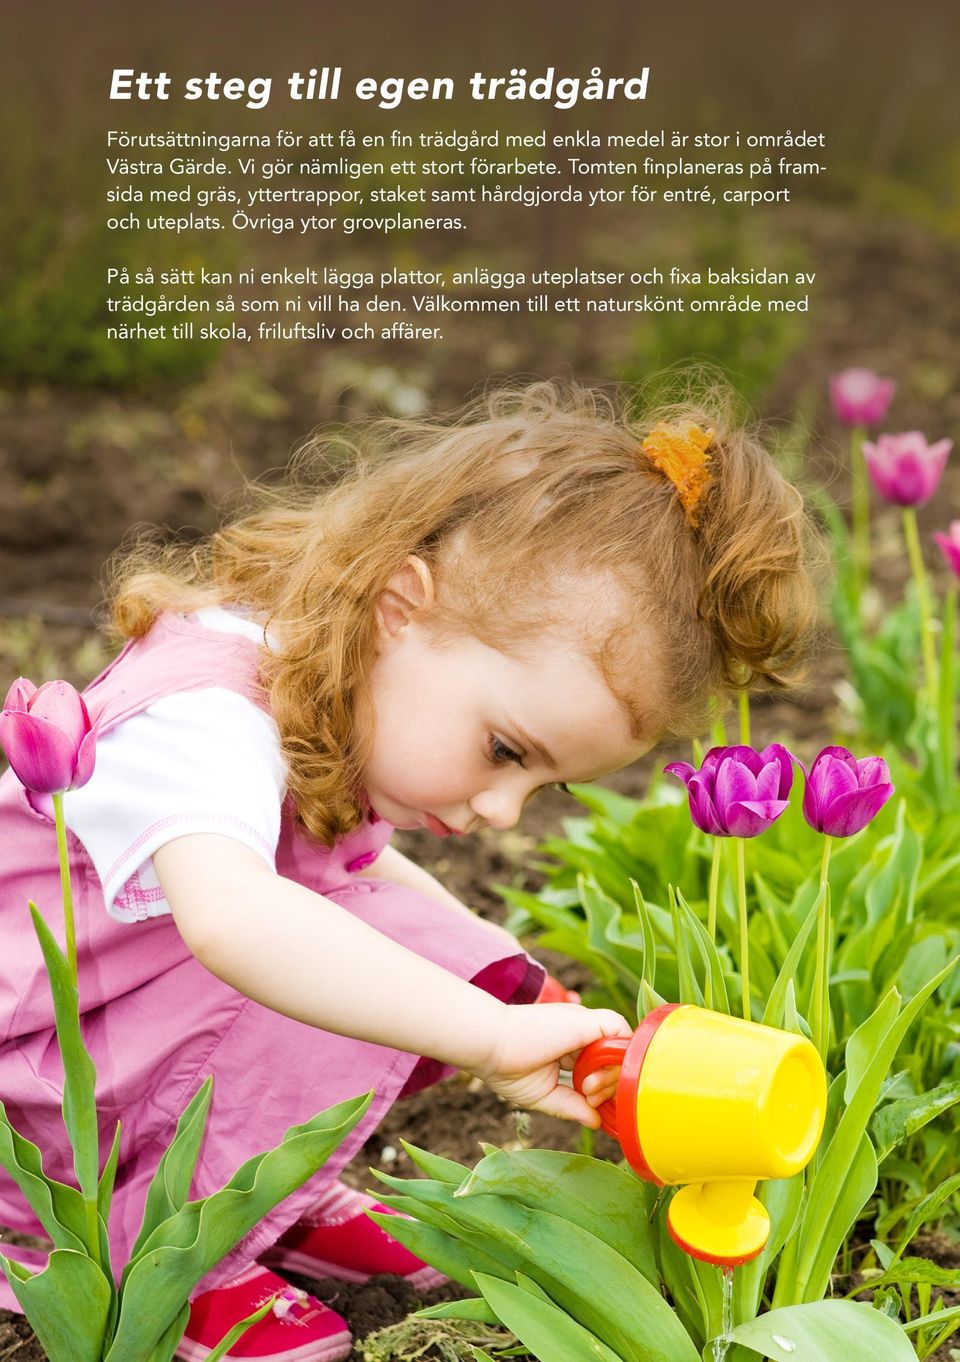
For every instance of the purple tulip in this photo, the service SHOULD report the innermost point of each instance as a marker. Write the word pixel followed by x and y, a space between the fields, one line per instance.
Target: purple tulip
pixel 843 794
pixel 950 545
pixel 860 397
pixel 904 468
pixel 738 792
pixel 47 736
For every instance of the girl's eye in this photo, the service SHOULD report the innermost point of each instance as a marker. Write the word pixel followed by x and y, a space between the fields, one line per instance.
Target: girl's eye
pixel 500 753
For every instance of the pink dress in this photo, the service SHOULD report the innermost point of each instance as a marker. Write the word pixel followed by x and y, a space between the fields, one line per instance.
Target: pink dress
pixel 157 1023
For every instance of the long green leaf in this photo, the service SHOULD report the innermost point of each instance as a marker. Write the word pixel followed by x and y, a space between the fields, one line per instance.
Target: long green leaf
pixel 773 1012
pixel 434 1166
pixel 599 1197
pixel 690 990
pixel 79 1075
pixel 709 955
pixel 166 1345
pixel 58 1206
pixel 67 1304
pixel 439 1241
pixel 783 1200
pixel 170 1185
pixel 649 940
pixel 184 1248
pixel 925 1209
pixel 842 1166
pixel 473 1307
pixel 577 1270
pixel 916 1270
pixel 824 1331
pixel 547 1331
pixel 897 1121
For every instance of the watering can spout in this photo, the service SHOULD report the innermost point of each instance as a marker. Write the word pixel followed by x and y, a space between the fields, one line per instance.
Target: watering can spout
pixel 712 1104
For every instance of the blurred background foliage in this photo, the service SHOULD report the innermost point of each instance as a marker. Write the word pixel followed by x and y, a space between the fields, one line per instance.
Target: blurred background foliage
pixel 96 435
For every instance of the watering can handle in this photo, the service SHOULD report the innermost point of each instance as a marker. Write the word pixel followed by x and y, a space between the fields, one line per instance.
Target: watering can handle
pixel 598 1055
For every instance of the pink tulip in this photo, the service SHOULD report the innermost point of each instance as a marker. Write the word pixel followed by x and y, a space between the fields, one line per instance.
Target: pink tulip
pixel 950 545
pixel 737 792
pixel 47 736
pixel 860 397
pixel 904 468
pixel 843 794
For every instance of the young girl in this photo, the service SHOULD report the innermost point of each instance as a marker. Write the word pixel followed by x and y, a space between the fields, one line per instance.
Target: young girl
pixel 535 594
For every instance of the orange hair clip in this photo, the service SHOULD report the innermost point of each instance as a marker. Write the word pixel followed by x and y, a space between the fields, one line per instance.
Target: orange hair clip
pixel 681 455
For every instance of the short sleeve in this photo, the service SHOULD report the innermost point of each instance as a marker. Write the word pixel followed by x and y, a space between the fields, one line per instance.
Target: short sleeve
pixel 197 761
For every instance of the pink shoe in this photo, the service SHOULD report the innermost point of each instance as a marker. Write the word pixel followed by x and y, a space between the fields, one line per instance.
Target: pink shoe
pixel 297 1329
pixel 337 1240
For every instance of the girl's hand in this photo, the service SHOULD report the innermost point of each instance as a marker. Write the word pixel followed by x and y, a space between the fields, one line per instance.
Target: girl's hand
pixel 535 1043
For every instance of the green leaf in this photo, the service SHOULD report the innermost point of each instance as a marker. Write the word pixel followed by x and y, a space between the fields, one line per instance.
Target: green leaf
pixel 952 1312
pixel 439 1241
pixel 773 1012
pixel 238 1331
pixel 57 1206
pixel 690 990
pixel 576 1269
pixel 843 1169
pixel 823 1331
pixel 649 976
pixel 108 1177
pixel 67 1304
pixel 549 1333
pixel 927 1208
pixel 167 1343
pixel 916 1270
pixel 862 1045
pixel 709 955
pixel 474 1308
pixel 185 1247
pixel 599 1197
pixel 79 1075
pixel 444 1170
pixel 783 1200
pixel 170 1185
pixel 897 1121
pixel 603 917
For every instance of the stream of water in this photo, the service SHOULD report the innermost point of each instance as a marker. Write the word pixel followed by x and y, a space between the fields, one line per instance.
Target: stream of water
pixel 721 1343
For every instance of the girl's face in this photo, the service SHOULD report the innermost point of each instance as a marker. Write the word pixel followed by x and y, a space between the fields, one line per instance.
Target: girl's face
pixel 464 734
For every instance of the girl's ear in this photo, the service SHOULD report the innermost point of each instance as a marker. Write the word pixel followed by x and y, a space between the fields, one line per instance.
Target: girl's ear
pixel 408 591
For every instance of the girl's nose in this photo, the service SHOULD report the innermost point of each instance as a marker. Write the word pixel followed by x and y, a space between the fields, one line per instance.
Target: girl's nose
pixel 498 808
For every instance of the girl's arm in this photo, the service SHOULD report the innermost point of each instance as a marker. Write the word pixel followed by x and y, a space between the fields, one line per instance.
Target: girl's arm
pixel 392 865
pixel 303 955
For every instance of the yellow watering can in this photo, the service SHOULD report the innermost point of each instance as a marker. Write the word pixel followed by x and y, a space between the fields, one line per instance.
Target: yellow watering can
pixel 716 1104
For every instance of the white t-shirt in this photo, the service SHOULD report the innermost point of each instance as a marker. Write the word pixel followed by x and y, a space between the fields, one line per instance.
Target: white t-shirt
pixel 197 761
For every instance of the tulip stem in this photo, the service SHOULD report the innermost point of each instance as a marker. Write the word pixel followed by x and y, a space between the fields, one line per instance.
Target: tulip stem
pixel 820 1000
pixel 743 701
pixel 860 486
pixel 923 600
pixel 946 700
pixel 744 935
pixel 714 888
pixel 65 887
pixel 712 915
pixel 91 1213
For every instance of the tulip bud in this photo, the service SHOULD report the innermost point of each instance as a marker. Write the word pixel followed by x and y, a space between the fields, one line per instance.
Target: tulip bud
pixel 47 736
pixel 737 792
pixel 860 397
pixel 904 468
pixel 842 794
pixel 950 545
